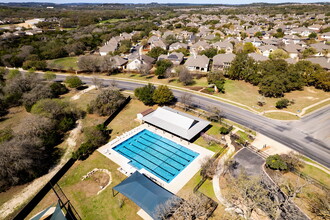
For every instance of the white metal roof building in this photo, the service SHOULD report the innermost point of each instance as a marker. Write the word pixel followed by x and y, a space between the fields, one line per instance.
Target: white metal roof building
pixel 176 122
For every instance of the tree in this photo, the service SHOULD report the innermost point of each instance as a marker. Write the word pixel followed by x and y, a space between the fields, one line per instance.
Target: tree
pixel 90 63
pixel 308 52
pixel 98 83
pixel 156 52
pixel 293 160
pixel 106 102
pixel 210 53
pixel 185 77
pixel 170 39
pixel 275 162
pixel 162 95
pixel 217 78
pixel 278 54
pixel 282 103
pixel 208 167
pixel 144 69
pixel 37 93
pixel 320 205
pixel 125 46
pixel 162 66
pixel 58 89
pixel 145 94
pixel 243 67
pixel 186 100
pixel 3 108
pixel 312 35
pixel 215 114
pixel 258 34
pixel 249 194
pixel 248 48
pixel 73 81
pixel 272 86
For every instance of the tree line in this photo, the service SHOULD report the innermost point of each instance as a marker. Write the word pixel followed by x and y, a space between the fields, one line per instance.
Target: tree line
pixel 276 77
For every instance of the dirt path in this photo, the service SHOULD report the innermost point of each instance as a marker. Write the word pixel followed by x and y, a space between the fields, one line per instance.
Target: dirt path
pixel 29 191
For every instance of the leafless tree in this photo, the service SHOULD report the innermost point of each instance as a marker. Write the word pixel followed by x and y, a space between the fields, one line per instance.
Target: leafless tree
pixel 208 167
pixel 97 82
pixel 215 113
pixel 106 64
pixel 320 205
pixel 185 76
pixel 144 69
pixel 249 195
pixel 293 160
pixel 186 100
pixel 89 63
pixel 166 210
pixel 196 206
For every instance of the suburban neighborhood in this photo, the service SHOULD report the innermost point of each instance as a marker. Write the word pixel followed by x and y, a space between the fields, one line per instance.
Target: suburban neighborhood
pixel 165 111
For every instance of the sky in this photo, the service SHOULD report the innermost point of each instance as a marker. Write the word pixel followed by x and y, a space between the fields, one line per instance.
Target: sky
pixel 169 1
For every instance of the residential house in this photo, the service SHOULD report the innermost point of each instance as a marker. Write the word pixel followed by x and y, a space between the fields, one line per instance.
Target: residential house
pixel 197 63
pixel 226 46
pixel 254 40
pixel 199 46
pixel 175 58
pixel 267 50
pixel 119 62
pixel 291 39
pixel 293 50
pixel 315 27
pixel 176 46
pixel 135 64
pixel 109 47
pixel 325 36
pixel 222 61
pixel 322 49
pixel 257 57
pixel 322 61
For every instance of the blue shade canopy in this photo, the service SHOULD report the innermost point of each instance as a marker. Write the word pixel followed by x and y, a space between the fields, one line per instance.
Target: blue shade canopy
pixel 58 214
pixel 144 192
pixel 41 214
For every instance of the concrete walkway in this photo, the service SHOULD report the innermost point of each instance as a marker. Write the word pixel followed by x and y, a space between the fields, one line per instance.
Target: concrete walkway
pixel 219 172
pixel 303 111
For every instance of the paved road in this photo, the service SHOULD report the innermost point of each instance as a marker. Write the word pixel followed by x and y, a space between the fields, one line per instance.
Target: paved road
pixel 302 136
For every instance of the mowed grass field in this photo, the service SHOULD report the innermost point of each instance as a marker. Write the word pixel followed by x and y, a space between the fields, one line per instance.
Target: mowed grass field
pixel 65 63
pixel 247 94
pixel 92 206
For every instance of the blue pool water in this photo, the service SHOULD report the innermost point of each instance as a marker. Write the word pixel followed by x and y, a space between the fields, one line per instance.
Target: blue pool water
pixel 160 156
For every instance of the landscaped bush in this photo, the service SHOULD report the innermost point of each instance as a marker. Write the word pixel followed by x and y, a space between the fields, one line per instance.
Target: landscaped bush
pixel 58 89
pixel 145 94
pixel 224 130
pixel 73 81
pixel 282 103
pixel 275 162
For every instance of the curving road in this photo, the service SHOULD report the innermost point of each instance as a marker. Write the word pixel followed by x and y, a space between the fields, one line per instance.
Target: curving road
pixel 309 136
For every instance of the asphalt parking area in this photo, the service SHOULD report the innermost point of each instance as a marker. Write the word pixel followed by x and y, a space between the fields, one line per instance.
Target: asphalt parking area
pixel 249 162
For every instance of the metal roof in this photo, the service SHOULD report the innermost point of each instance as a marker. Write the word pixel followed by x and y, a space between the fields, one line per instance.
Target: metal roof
pixel 176 122
pixel 145 193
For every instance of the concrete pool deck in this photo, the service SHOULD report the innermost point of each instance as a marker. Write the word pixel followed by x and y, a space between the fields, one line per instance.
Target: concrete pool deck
pixel 180 180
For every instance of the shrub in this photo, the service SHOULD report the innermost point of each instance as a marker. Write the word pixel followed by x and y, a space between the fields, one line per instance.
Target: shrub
pixel 282 103
pixel 275 162
pixel 73 81
pixel 58 89
pixel 224 130
pixel 145 94
pixel 163 95
pixel 106 102
pixel 84 151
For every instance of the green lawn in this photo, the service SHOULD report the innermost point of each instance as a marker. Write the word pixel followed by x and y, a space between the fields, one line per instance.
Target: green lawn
pixel 317 174
pixel 102 206
pixel 65 63
pixel 281 116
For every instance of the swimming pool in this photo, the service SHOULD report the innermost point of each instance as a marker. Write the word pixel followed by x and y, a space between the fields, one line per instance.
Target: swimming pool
pixel 160 156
